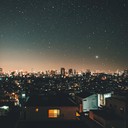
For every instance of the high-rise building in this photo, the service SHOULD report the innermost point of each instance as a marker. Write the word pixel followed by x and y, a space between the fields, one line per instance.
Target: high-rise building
pixel 75 72
pixel 70 71
pixel 53 72
pixel 1 70
pixel 88 73
pixel 125 73
pixel 62 71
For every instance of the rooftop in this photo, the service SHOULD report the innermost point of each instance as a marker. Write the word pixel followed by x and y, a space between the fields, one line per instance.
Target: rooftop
pixel 57 100
pixel 106 114
pixel 84 94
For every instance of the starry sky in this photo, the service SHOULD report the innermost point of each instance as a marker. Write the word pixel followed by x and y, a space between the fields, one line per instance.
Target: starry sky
pixel 50 34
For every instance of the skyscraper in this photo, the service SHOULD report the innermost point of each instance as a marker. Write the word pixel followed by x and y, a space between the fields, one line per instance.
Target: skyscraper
pixel 62 71
pixel 1 70
pixel 70 71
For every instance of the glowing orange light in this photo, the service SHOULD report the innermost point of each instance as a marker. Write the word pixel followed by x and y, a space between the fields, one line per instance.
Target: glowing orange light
pixel 37 110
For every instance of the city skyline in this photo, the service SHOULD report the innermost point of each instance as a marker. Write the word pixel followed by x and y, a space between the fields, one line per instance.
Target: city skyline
pixel 78 34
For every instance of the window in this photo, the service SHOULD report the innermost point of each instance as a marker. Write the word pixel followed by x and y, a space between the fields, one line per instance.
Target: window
pixel 53 113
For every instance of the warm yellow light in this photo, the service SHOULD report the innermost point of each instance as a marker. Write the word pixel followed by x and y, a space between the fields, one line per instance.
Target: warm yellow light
pixel 53 113
pixel 77 114
pixel 37 109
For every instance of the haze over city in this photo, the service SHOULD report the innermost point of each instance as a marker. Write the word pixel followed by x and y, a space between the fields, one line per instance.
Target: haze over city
pixel 79 34
pixel 64 63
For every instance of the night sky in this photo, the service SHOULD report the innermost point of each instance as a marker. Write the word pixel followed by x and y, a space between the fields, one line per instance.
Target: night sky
pixel 50 34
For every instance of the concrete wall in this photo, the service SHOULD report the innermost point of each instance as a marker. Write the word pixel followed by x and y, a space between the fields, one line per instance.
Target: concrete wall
pixel 102 99
pixel 90 103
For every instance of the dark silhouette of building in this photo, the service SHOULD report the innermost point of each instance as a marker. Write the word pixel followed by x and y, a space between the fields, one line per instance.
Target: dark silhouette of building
pixel 62 71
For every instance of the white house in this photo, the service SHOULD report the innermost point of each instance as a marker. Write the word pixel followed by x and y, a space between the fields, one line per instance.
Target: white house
pixel 87 101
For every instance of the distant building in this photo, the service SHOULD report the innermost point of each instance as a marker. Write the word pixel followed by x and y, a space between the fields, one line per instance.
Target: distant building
pixel 49 108
pixel 63 71
pixel 125 74
pixel 75 72
pixel 1 70
pixel 6 104
pixel 88 73
pixel 70 71
pixel 4 110
pixel 53 72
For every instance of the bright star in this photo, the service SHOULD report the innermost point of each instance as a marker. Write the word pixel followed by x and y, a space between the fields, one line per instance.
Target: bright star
pixel 97 57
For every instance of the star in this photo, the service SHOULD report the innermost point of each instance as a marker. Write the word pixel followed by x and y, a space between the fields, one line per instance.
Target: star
pixel 89 47
pixel 65 31
pixel 97 57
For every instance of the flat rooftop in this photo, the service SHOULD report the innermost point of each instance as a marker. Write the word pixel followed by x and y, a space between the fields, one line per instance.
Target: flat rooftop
pixel 106 114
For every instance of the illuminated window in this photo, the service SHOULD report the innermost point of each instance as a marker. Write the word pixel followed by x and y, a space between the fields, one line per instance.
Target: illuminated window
pixel 37 110
pixel 53 113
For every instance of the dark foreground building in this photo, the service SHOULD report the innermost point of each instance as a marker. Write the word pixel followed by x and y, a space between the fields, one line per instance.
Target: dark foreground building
pixel 50 111
pixel 40 108
pixel 51 124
